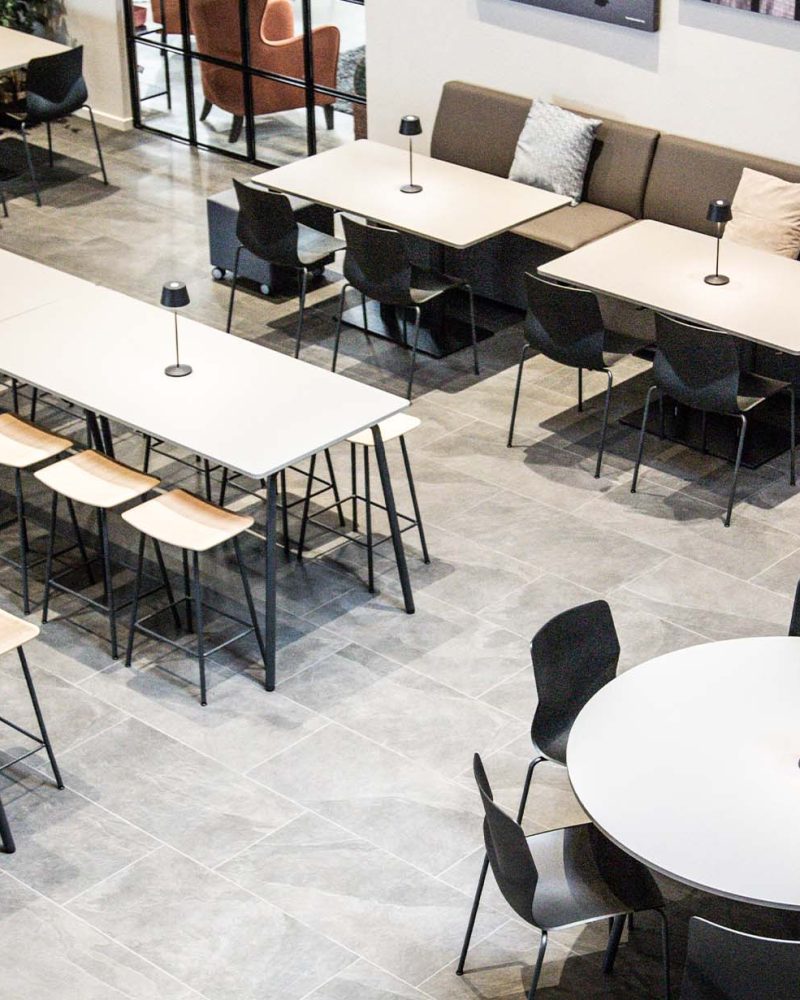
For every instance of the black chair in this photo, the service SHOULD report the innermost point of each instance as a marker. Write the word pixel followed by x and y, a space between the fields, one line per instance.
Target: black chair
pixel 566 876
pixel 565 324
pixel 723 964
pixel 268 228
pixel 6 838
pixel 573 656
pixel 700 368
pixel 377 265
pixel 794 624
pixel 54 88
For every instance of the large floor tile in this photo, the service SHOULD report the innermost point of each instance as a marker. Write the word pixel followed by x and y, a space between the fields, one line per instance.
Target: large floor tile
pixel 363 981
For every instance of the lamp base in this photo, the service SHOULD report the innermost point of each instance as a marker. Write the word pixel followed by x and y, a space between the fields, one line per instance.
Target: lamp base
pixel 716 279
pixel 411 188
pixel 177 371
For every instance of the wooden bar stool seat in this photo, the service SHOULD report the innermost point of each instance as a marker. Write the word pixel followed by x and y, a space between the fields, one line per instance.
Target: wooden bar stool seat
pixel 23 445
pixel 92 479
pixel 192 525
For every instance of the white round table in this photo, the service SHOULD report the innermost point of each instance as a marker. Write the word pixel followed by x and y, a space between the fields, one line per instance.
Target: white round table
pixel 689 763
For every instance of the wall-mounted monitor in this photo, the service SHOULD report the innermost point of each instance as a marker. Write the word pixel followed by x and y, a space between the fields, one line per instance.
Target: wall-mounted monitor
pixel 788 9
pixel 640 14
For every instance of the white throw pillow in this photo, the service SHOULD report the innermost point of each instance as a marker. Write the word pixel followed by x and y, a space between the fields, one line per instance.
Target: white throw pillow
pixel 553 150
pixel 766 214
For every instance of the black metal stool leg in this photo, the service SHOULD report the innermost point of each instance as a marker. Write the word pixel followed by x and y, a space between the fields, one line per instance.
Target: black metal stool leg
pixel 248 594
pixel 334 486
pixel 31 171
pixel 412 489
pixel 48 571
pixel 223 487
pixel 23 541
pixel 34 403
pixel 6 839
pixel 137 585
pixel 187 590
pixel 306 506
pixel 148 447
pixel 207 475
pixel 614 938
pixel 287 542
pixel 162 568
pixel 39 717
pixel 108 582
pixel 15 394
pixel 234 279
pixel 368 499
pixel 198 611
pixel 87 562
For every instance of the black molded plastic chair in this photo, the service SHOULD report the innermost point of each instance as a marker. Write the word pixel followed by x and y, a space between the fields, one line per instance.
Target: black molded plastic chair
pixel 6 839
pixel 573 656
pixel 794 624
pixel 268 229
pixel 699 367
pixel 565 324
pixel 377 265
pixel 54 88
pixel 723 964
pixel 568 876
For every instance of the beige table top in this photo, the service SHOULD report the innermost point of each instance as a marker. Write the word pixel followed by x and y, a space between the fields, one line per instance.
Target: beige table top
pixel 663 267
pixel 18 48
pixel 457 206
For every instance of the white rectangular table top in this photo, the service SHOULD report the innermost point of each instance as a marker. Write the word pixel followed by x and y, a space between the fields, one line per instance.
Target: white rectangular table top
pixel 663 267
pixel 457 206
pixel 17 48
pixel 27 284
pixel 251 409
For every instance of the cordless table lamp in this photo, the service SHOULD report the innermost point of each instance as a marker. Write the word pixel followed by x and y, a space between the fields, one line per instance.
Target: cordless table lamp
pixel 174 295
pixel 719 212
pixel 410 125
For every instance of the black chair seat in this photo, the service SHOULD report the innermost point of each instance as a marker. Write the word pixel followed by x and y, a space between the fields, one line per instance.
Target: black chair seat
pixel 426 285
pixel 584 877
pixel 754 389
pixel 313 246
pixel 617 346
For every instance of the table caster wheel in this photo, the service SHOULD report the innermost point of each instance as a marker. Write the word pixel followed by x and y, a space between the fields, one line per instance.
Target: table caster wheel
pixel 218 273
pixel 265 289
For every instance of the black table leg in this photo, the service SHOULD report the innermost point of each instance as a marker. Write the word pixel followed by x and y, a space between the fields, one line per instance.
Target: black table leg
pixel 6 839
pixel 270 637
pixel 108 440
pixel 394 524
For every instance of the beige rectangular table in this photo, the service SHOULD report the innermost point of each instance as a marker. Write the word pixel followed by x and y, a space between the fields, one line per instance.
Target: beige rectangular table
pixel 457 208
pixel 662 267
pixel 17 48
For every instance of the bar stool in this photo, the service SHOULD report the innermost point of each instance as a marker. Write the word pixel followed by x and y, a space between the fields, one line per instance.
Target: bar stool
pixel 23 445
pixel 14 633
pixel 97 481
pixel 192 525
pixel 394 427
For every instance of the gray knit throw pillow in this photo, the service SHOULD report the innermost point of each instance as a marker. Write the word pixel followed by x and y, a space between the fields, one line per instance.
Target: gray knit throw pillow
pixel 553 150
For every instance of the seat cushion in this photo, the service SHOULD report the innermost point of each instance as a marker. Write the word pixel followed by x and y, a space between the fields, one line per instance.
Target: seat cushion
pixel 766 214
pixel 426 285
pixel 178 518
pixel 570 227
pixel 313 246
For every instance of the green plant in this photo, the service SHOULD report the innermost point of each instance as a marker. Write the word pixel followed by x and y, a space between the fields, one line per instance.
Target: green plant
pixel 28 15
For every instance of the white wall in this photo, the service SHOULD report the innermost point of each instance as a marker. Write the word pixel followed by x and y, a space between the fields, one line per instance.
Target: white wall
pixel 99 26
pixel 711 73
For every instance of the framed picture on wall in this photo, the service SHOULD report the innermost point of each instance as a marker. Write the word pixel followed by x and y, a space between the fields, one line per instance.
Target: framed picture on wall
pixel 639 14
pixel 787 9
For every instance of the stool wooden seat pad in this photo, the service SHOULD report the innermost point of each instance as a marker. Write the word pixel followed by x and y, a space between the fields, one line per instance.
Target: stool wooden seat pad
pixel 23 444
pixel 95 480
pixel 392 427
pixel 14 632
pixel 180 519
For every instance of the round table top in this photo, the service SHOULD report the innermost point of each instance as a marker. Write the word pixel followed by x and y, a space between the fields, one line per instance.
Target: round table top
pixel 689 763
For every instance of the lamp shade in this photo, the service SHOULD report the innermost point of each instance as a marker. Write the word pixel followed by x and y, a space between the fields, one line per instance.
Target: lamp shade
pixel 174 295
pixel 719 211
pixel 410 125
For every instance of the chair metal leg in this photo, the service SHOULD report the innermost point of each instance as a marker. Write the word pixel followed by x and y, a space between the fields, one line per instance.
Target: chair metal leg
pixel 364 313
pixel 287 542
pixel 538 968
pixel 148 447
pixel 39 717
pixel 48 565
pixel 617 927
pixel 198 611
pixel 665 947
pixel 49 145
pixel 413 491
pixel 87 562
pixel 6 838
pixel 108 582
pixel 187 590
pixel 662 428
pixel 527 786
pixel 3 204
pixel 233 287
pixel 97 145
pixel 248 596
pixel 394 523
pixel 306 506
pixel 472 328
pixel 601 449
pixel 354 485
pixel 15 395
pixel 34 403
pixel 523 355
pixel 31 171
pixel 472 915
pixel 642 432
pixel 368 505
pixel 303 277
pixel 334 486
pixel 580 390
pixel 417 316
pixel 792 421
pixel 23 541
pixel 338 327
pixel 162 569
pixel 739 450
pixel 704 433
pixel 137 585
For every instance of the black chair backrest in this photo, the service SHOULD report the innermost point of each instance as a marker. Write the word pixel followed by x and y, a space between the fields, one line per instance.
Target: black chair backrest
pixel 573 656
pixel 266 225
pixel 55 86
pixel 512 864
pixel 794 624
pixel 696 366
pixel 722 964
pixel 564 323
pixel 376 262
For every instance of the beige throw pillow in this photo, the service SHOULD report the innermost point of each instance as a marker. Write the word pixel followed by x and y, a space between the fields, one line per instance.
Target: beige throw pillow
pixel 766 214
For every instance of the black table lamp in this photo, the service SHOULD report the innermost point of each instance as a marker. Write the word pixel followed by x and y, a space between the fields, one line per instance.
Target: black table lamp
pixel 719 212
pixel 174 295
pixel 410 125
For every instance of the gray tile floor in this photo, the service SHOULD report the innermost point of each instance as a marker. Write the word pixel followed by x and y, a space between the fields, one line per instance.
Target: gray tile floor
pixel 323 841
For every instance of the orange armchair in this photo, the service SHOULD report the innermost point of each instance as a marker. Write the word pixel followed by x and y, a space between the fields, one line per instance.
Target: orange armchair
pixel 167 13
pixel 274 47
